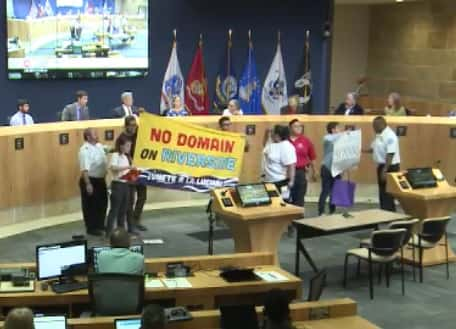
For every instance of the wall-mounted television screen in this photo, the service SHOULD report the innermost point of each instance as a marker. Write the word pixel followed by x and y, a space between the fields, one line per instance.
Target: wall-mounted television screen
pixel 77 39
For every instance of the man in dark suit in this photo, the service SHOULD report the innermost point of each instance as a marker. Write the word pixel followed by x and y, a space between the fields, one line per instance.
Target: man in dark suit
pixel 350 106
pixel 78 110
pixel 126 108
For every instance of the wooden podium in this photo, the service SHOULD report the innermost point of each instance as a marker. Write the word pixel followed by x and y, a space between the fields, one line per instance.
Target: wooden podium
pixel 439 201
pixel 255 229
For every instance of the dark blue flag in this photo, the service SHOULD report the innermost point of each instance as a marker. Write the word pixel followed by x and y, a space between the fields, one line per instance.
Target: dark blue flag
pixel 226 83
pixel 250 86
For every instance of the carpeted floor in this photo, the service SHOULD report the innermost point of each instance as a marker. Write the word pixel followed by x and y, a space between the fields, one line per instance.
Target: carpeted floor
pixel 184 231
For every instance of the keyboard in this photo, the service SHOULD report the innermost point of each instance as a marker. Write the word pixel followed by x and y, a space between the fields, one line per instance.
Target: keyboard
pixel 61 288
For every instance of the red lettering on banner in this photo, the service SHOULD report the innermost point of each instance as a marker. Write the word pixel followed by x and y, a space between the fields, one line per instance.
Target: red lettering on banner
pixel 181 139
pixel 156 135
pixel 229 146
pixel 215 145
pixel 205 143
pixel 192 141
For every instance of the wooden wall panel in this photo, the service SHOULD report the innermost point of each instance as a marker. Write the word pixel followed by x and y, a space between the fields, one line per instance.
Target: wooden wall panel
pixel 45 171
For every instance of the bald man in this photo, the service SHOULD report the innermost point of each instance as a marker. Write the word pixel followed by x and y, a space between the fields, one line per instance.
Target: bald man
pixel 386 154
pixel 19 318
pixel 119 259
pixel 350 106
pixel 94 195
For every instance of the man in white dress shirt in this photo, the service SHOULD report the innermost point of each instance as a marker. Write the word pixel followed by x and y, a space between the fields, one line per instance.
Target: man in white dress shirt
pixel 94 196
pixel 22 118
pixel 385 151
pixel 126 108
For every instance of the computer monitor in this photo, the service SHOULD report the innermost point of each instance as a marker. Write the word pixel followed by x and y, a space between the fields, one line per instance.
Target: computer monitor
pixel 252 195
pixel 421 178
pixel 238 317
pixel 127 323
pixel 53 260
pixel 95 252
pixel 49 322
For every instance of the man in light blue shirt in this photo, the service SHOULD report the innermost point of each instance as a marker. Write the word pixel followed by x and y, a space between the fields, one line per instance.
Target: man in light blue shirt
pixel 22 118
pixel 120 259
pixel 327 180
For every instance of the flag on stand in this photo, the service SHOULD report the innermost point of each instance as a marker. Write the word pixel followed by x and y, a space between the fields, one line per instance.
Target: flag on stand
pixel 33 12
pixel 274 95
pixel 303 84
pixel 173 82
pixel 250 85
pixel 226 84
pixel 48 8
pixel 196 96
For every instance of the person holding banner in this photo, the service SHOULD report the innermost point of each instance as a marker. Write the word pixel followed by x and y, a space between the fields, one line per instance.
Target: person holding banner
pixel 138 192
pixel 385 150
pixel 333 130
pixel 305 157
pixel 225 124
pixel 279 159
pixel 120 165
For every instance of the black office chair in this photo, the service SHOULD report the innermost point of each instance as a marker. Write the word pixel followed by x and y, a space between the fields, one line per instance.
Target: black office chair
pixel 317 284
pixel 113 294
pixel 432 232
pixel 384 247
pixel 410 226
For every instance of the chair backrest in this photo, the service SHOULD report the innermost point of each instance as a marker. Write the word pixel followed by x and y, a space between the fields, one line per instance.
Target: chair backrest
pixel 387 242
pixel 409 225
pixel 433 229
pixel 317 284
pixel 116 294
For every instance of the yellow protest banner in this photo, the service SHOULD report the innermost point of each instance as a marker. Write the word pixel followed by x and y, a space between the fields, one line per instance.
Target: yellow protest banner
pixel 174 154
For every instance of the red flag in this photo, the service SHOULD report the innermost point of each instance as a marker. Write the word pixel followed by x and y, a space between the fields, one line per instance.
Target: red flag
pixel 196 96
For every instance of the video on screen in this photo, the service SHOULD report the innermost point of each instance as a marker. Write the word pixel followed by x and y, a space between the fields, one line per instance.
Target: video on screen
pixel 71 39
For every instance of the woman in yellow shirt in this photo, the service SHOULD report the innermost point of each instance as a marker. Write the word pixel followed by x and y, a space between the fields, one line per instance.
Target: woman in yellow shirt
pixel 394 107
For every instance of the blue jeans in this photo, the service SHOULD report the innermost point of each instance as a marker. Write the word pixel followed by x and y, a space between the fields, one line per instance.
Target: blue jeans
pixel 327 182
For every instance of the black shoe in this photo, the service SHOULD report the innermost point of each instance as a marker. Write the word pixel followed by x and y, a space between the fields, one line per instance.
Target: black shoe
pixel 133 232
pixel 141 227
pixel 95 232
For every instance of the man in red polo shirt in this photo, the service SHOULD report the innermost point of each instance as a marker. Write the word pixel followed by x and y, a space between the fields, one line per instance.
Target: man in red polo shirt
pixel 305 154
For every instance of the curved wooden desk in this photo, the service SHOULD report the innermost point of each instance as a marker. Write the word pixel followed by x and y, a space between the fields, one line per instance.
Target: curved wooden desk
pixel 439 201
pixel 41 179
pixel 256 229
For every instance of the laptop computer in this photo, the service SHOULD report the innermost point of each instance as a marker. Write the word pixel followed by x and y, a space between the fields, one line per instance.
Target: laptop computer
pixel 49 322
pixel 134 323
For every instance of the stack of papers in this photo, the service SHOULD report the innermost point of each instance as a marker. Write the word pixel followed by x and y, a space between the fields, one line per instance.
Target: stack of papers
pixel 153 283
pixel 177 283
pixel 271 276
pixel 169 283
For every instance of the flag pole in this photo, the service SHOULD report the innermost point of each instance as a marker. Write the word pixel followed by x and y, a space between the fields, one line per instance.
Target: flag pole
pixel 306 61
pixel 228 57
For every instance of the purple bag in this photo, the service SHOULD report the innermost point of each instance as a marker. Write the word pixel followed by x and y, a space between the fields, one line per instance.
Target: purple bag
pixel 343 193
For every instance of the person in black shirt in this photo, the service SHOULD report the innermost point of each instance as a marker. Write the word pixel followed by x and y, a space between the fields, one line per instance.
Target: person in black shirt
pixel 277 310
pixel 350 106
pixel 138 191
